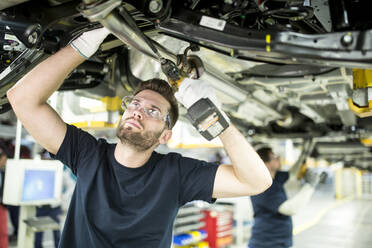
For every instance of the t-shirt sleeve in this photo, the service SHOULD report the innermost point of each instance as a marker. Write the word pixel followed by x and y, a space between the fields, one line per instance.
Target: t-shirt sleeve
pixel 76 148
pixel 197 180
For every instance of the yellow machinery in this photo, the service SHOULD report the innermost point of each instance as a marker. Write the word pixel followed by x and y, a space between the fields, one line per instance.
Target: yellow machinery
pixel 361 101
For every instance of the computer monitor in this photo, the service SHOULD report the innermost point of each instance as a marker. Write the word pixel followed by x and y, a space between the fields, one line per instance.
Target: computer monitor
pixel 32 182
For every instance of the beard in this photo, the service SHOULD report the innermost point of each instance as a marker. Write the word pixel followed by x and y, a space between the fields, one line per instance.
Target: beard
pixel 139 141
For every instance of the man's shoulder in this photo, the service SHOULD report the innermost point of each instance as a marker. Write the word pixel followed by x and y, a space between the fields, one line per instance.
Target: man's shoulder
pixel 170 157
pixel 175 156
pixel 281 176
pixel 173 159
pixel 277 186
pixel 283 173
pixel 73 130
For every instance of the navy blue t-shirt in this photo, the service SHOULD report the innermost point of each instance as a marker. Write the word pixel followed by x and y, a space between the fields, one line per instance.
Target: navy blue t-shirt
pixel 117 206
pixel 271 228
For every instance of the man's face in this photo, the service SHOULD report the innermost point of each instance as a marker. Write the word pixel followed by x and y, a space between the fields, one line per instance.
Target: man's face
pixel 139 130
pixel 274 162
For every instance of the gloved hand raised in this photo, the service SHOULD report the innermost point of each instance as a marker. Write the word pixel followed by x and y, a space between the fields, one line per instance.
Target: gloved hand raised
pixel 88 43
pixel 313 177
pixel 203 108
pixel 192 90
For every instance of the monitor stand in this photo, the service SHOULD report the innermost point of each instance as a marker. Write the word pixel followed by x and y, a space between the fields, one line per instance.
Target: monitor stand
pixel 29 224
pixel 25 235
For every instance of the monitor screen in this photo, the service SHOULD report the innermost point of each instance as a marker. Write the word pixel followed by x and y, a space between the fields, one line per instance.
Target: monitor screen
pixel 33 182
pixel 38 185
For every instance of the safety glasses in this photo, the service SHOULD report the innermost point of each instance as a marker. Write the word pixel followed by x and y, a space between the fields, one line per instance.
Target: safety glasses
pixel 133 103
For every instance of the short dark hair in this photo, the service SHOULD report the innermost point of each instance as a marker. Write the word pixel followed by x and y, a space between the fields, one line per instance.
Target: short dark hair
pixel 264 153
pixel 163 88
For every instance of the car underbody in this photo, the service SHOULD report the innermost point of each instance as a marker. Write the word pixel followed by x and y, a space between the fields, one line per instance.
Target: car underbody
pixel 283 69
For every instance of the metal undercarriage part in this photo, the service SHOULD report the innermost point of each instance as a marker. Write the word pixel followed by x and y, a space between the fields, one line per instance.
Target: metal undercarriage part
pixel 277 76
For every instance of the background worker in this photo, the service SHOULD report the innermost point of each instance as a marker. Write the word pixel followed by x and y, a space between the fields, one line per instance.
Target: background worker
pixel 128 195
pixel 273 210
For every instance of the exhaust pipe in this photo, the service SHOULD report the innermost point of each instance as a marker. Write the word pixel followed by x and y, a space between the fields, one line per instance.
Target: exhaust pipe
pixel 108 15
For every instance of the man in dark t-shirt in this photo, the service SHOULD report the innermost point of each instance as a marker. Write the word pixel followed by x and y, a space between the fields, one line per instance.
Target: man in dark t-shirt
pixel 272 225
pixel 127 195
pixel 271 228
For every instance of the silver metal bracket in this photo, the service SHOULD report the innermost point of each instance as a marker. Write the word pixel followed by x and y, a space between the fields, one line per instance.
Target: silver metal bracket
pixel 99 11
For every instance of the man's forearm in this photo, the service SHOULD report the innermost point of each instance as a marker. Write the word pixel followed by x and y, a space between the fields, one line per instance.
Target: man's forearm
pixel 248 166
pixel 293 205
pixel 38 85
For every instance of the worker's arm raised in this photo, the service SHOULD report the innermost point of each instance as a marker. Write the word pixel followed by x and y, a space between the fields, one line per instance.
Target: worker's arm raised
pixel 294 204
pixel 28 97
pixel 248 174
